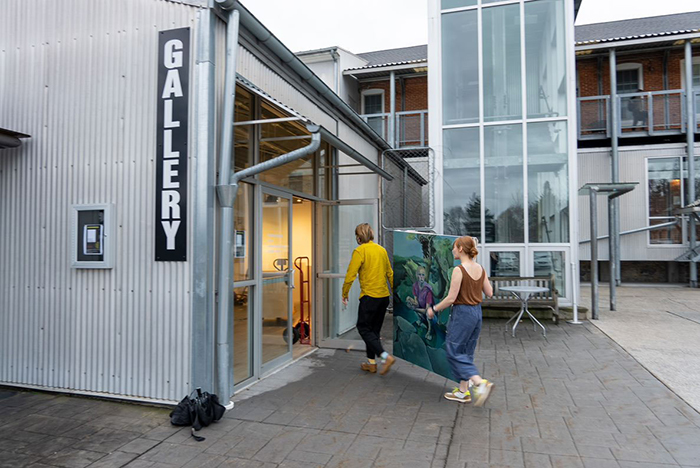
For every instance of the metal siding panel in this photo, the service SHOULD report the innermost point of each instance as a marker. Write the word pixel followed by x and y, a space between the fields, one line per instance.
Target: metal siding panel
pixel 634 247
pixel 80 79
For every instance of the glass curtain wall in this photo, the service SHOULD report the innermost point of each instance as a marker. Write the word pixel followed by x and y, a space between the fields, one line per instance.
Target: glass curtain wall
pixel 504 130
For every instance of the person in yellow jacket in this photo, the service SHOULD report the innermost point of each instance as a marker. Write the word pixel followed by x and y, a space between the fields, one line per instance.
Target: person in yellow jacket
pixel 371 261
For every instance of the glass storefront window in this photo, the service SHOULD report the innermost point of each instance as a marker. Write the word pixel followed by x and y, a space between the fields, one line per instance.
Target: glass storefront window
pixel 548 182
pixel 461 182
pixel 545 56
pixel 501 59
pixel 279 138
pixel 503 169
pixel 243 236
pixel 547 264
pixel 243 135
pixel 447 4
pixel 242 334
pixel 664 186
pixel 460 68
pixel 505 264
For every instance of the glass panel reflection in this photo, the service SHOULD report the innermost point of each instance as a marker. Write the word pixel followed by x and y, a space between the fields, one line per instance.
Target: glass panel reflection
pixel 503 168
pixel 501 58
pixel 243 237
pixel 280 138
pixel 243 135
pixel 547 264
pixel 545 58
pixel 505 264
pixel 446 4
pixel 460 68
pixel 275 265
pixel 242 333
pixel 548 182
pixel 664 186
pixel 461 183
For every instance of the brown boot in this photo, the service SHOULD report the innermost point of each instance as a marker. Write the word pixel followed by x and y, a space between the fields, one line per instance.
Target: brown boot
pixel 387 364
pixel 368 367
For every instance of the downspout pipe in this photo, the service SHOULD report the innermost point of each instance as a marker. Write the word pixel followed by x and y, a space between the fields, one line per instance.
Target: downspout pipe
pixel 690 136
pixel 224 334
pixel 614 228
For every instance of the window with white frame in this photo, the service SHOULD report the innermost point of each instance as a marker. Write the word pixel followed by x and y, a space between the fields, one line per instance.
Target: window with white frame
pixel 630 78
pixel 665 192
pixel 373 109
pixel 696 72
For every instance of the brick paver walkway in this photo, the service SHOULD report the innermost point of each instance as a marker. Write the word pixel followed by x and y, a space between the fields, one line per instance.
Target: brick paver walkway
pixel 572 399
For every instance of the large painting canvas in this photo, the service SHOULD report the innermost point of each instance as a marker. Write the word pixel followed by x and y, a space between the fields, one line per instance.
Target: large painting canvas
pixel 423 265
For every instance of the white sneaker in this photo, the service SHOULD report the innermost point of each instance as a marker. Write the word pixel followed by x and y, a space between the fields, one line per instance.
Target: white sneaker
pixel 482 392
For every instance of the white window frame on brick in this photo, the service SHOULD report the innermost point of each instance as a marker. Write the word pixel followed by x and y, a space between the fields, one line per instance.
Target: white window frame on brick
pixel 634 66
pixel 370 92
pixel 696 61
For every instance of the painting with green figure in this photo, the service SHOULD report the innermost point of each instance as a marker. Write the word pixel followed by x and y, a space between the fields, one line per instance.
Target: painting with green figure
pixel 423 265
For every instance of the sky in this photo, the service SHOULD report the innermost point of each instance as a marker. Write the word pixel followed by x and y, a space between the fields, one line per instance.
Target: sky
pixel 367 25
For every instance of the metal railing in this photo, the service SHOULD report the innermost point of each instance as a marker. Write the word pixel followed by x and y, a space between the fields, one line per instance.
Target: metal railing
pixel 639 114
pixel 411 127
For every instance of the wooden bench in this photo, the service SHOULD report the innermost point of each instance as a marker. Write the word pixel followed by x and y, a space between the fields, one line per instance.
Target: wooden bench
pixel 540 300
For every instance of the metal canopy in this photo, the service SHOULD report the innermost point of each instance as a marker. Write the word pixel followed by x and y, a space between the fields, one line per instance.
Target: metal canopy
pixel 10 138
pixel 612 190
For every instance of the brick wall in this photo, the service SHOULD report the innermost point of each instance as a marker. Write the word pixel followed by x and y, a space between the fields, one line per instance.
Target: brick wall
pixel 416 92
pixel 652 71
pixel 667 109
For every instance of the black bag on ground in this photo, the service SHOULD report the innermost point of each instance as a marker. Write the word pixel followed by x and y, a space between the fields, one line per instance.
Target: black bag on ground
pixel 199 409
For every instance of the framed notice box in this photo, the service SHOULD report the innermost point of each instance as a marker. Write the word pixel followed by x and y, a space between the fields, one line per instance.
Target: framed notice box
pixel 93 239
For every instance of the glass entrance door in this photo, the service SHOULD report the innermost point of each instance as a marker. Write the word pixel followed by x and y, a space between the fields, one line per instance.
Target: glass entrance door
pixel 277 278
pixel 337 229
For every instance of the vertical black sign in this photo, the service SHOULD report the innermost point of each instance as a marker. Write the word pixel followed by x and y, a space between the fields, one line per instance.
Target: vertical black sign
pixel 171 157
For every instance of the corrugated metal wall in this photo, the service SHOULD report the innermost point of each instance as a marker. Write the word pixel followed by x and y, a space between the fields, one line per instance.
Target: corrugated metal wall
pixel 594 166
pixel 79 76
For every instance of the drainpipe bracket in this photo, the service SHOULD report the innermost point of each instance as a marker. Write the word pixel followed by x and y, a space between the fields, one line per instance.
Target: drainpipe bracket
pixel 226 194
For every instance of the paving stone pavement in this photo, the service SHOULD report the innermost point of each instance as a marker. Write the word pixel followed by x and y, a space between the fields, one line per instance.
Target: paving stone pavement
pixel 572 399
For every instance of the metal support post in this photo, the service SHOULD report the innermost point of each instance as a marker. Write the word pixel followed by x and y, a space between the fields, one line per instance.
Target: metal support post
pixel 615 166
pixel 690 136
pixel 611 262
pixel 574 295
pixel 594 254
pixel 392 110
pixel 403 193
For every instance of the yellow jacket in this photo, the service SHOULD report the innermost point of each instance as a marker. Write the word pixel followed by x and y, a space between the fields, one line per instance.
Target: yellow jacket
pixel 372 263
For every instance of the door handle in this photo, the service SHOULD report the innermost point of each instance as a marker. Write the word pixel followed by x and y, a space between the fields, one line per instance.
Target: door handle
pixel 290 278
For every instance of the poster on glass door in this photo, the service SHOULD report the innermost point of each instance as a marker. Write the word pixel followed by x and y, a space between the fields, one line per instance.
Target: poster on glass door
pixel 423 265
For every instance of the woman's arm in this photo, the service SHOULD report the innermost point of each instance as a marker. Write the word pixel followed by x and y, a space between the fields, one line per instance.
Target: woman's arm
pixel 455 283
pixel 488 289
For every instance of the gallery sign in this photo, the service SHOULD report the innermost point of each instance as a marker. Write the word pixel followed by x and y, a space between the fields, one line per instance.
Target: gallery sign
pixel 171 151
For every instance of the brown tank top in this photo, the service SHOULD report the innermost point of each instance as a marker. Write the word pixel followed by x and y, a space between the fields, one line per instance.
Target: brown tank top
pixel 470 290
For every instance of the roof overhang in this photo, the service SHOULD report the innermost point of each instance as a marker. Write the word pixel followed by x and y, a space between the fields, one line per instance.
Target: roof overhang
pixel 10 138
pixel 635 42
pixel 385 70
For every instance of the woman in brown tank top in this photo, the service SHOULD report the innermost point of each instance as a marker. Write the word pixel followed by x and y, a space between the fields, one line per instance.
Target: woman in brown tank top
pixel 468 282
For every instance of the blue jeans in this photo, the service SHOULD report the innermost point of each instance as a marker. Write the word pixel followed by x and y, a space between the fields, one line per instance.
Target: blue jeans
pixel 462 335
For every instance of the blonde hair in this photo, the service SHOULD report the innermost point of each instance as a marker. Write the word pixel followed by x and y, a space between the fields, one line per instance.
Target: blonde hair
pixel 467 245
pixel 364 232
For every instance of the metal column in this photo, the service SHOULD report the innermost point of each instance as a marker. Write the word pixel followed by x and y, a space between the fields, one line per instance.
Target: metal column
pixel 614 254
pixel 690 136
pixel 611 248
pixel 392 110
pixel 594 254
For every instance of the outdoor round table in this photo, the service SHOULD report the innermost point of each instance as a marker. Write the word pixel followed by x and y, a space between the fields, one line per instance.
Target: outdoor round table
pixel 523 293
